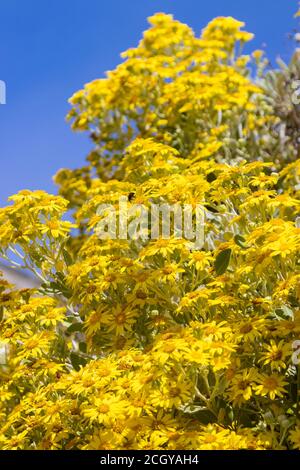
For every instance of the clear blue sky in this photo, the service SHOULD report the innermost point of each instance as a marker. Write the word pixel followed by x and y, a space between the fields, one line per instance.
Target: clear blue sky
pixel 50 48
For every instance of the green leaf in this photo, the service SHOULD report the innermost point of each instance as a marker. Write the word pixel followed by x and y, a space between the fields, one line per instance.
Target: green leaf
pixel 67 257
pixel 56 286
pixel 222 261
pixel 82 347
pixel 284 313
pixel 60 277
pixel 74 327
pixel 211 208
pixel 36 256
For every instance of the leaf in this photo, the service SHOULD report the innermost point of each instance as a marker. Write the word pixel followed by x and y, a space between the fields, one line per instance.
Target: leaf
pixel 55 286
pixel 284 313
pixel 82 347
pixel 77 361
pixel 240 241
pixel 211 177
pixel 74 327
pixel 205 416
pixel 58 287
pixel 210 208
pixel 222 261
pixel 36 256
pixel 67 257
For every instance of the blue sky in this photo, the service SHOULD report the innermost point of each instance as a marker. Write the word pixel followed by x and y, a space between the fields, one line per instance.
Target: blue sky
pixel 50 48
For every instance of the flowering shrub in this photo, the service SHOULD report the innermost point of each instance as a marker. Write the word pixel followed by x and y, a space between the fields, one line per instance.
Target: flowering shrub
pixel 147 344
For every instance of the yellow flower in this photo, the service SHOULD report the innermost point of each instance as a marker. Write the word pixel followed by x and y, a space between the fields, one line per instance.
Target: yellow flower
pixel 295 434
pixel 95 320
pixel 170 272
pixel 121 319
pixel 163 247
pixel 200 259
pixel 172 394
pixel 242 386
pixel 105 410
pixel 257 54
pixel 16 442
pixel 213 330
pixel 250 329
pixel 36 345
pixel 52 317
pixel 170 349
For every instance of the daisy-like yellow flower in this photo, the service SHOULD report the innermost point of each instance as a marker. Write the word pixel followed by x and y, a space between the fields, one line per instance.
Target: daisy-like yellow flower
pixel 257 54
pixel 105 410
pixel 192 298
pixel 242 386
pixel 56 227
pixel 292 326
pixel 111 279
pixel 220 361
pixel 121 319
pixel 36 345
pixel 200 259
pixel 172 394
pixel 16 442
pixel 250 329
pixel 199 354
pixel 170 349
pixel 169 273
pixel 215 438
pixel 47 368
pixel 161 421
pixel 53 316
pixel 294 436
pixel 104 439
pixel 90 292
pixel 54 411
pixel 95 320
pixel 164 247
pixel 213 330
